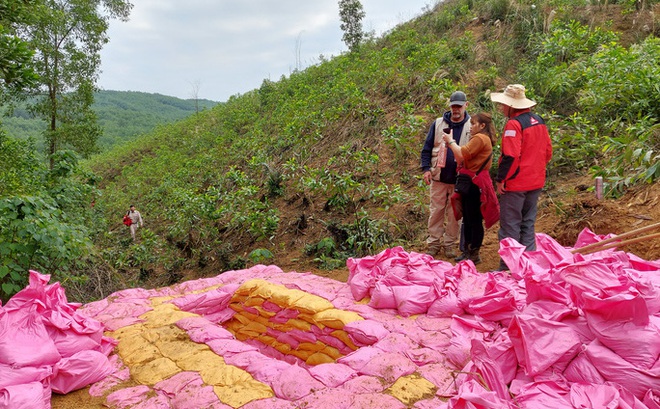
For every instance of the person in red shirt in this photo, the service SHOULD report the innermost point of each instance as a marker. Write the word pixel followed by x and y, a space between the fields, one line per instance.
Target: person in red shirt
pixel 526 151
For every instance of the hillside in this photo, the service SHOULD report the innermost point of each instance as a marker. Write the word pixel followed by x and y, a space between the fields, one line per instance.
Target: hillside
pixel 323 165
pixel 320 166
pixel 123 115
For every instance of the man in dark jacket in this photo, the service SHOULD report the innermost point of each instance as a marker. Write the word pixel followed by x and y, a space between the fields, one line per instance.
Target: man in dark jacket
pixel 439 166
pixel 526 151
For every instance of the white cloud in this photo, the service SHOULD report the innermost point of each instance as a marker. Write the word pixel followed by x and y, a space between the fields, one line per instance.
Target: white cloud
pixel 229 47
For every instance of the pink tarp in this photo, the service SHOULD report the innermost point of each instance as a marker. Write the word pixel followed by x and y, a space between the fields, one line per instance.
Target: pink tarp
pixel 559 330
pixel 46 344
pixel 569 324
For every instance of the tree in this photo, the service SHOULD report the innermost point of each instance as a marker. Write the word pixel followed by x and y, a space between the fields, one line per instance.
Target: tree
pixel 67 36
pixel 351 14
pixel 16 70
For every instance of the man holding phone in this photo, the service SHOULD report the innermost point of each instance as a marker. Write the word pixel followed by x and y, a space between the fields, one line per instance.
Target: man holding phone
pixel 439 167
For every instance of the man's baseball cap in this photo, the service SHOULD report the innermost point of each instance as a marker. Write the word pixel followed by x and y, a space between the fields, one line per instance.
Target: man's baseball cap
pixel 458 98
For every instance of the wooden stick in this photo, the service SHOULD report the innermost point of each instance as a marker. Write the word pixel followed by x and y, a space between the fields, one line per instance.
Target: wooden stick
pixel 588 249
pixel 616 244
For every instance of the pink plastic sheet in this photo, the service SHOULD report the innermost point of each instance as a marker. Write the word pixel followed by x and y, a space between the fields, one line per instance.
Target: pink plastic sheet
pixel 561 330
pixel 47 346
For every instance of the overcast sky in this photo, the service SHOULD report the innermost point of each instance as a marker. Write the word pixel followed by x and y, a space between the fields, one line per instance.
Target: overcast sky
pixel 213 49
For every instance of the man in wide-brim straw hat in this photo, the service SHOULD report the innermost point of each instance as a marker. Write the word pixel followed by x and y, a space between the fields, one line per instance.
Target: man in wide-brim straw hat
pixel 526 151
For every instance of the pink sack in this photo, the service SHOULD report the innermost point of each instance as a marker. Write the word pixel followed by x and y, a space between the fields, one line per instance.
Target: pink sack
pixel 497 304
pixel 24 340
pixel 294 383
pixel 389 366
pixel 80 370
pixel 413 299
pixel 581 370
pixel 10 376
pixel 652 399
pixel 358 359
pixel 491 368
pixel 471 395
pixel 594 396
pixel 544 395
pixel 382 297
pixel 207 303
pixel 26 396
pixel 540 344
pixel 127 397
pixel 445 306
pixel 365 332
pixel 616 369
pixel 637 343
pixel 187 390
pixel 332 375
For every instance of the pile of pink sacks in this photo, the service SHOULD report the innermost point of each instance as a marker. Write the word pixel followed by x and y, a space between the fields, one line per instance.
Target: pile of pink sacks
pixel 47 346
pixel 561 330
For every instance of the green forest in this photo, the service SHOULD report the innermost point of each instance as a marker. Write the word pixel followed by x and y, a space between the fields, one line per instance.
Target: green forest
pixel 323 164
pixel 122 115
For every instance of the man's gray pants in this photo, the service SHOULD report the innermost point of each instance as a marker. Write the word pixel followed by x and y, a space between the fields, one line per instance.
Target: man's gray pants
pixel 517 217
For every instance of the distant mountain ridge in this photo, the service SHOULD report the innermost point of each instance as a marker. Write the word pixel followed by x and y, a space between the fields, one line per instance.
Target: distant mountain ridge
pixel 123 115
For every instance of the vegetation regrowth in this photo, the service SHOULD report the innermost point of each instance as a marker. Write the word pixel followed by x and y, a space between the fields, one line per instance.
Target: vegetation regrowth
pixel 322 164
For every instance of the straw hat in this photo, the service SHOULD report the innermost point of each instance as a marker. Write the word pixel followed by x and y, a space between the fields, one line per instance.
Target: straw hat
pixel 513 96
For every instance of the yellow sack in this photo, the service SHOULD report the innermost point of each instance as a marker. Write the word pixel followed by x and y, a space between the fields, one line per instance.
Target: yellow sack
pixel 412 388
pixel 310 303
pixel 335 318
pixel 253 301
pixel 248 287
pixel 319 358
pixel 343 337
pixel 261 320
pixel 263 289
pixel 180 350
pixel 223 375
pixel 202 359
pixel 308 346
pixel 248 315
pixel 332 352
pixel 133 348
pixel 239 299
pixel 263 312
pixel 308 318
pixel 150 373
pixel 164 314
pixel 302 354
pixel 282 347
pixel 242 319
pixel 299 324
pixel 266 339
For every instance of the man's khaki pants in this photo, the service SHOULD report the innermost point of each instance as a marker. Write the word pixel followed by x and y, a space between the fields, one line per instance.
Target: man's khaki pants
pixel 134 228
pixel 440 209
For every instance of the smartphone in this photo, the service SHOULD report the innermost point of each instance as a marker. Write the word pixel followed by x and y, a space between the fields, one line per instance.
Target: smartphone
pixel 446 130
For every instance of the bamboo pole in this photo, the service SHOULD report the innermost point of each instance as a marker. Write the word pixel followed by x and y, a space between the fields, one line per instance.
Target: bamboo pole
pixel 618 244
pixel 617 241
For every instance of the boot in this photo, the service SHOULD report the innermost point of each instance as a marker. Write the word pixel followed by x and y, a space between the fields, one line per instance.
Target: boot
pixel 474 255
pixel 464 256
pixel 449 252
